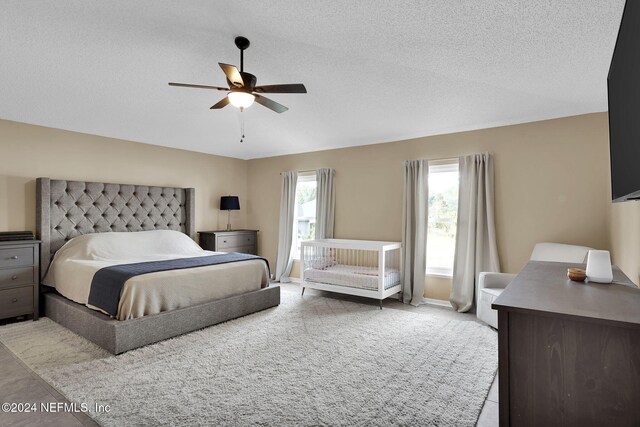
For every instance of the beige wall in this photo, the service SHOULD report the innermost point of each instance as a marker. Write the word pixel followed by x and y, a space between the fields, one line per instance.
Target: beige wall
pixel 552 184
pixel 437 287
pixel 625 238
pixel 28 152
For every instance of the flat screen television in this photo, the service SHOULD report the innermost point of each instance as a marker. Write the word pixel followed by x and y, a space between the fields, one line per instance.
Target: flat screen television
pixel 624 107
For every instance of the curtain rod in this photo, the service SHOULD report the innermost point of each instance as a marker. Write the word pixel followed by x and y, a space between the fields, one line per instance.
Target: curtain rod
pixel 304 171
pixel 444 159
pixel 458 157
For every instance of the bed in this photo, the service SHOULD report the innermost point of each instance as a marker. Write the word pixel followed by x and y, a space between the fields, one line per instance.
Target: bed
pixel 86 227
pixel 355 267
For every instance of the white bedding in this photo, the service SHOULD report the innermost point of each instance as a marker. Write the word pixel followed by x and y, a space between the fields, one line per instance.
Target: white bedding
pixel 74 265
pixel 352 276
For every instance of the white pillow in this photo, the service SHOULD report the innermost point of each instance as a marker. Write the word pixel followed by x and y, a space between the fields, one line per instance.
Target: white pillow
pixel 128 245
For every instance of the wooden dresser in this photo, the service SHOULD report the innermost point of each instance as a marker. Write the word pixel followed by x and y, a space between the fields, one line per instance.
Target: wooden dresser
pixel 19 278
pixel 569 352
pixel 245 241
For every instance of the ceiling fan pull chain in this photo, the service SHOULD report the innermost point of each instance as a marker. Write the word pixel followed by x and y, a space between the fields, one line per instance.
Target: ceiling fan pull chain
pixel 241 126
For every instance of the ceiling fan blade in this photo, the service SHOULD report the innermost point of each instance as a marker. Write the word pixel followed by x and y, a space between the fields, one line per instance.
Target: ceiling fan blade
pixel 289 88
pixel 198 86
pixel 270 104
pixel 221 104
pixel 232 73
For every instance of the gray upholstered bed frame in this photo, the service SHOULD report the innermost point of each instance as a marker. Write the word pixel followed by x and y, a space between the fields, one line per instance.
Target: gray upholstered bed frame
pixel 66 209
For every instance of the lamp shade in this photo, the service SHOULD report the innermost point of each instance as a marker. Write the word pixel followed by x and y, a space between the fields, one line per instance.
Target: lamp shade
pixel 229 203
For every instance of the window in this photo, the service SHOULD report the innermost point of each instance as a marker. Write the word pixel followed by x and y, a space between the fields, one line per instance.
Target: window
pixel 304 224
pixel 443 217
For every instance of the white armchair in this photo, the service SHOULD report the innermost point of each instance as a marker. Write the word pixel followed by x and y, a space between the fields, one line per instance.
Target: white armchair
pixel 490 285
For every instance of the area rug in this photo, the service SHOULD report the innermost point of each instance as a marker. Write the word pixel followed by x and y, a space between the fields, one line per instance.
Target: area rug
pixel 312 361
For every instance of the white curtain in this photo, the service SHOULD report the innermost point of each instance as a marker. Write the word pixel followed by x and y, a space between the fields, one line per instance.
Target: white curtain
pixel 288 181
pixel 325 203
pixel 476 248
pixel 414 230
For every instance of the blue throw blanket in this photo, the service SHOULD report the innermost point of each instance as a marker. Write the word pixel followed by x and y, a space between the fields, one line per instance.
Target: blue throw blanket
pixel 108 282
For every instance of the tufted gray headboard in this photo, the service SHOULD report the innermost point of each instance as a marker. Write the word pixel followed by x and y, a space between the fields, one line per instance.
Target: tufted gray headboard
pixel 66 209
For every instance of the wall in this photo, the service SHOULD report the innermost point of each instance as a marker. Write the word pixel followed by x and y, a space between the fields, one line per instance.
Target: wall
pixel 28 152
pixel 625 238
pixel 552 184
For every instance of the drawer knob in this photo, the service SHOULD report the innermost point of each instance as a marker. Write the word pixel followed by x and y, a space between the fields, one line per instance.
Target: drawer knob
pixel 14 257
pixel 14 277
pixel 224 241
pixel 14 300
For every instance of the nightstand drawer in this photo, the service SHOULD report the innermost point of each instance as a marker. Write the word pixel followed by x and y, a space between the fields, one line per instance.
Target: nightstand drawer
pixel 242 249
pixel 16 276
pixel 230 241
pixel 16 301
pixel 235 240
pixel 15 257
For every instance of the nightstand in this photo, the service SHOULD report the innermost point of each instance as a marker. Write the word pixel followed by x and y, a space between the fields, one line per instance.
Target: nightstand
pixel 19 278
pixel 245 241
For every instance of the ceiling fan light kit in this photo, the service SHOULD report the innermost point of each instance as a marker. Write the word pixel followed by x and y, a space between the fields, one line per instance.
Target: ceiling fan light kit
pixel 242 90
pixel 241 100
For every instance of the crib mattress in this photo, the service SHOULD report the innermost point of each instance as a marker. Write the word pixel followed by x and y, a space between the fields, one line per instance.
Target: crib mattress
pixel 352 276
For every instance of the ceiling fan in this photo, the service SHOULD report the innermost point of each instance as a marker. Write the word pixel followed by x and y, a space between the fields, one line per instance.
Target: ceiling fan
pixel 242 86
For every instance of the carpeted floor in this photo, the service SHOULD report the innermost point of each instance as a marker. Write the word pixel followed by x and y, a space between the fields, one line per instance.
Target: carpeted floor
pixel 311 361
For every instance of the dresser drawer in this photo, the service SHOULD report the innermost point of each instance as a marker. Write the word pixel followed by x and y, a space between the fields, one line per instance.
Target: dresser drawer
pixel 11 277
pixel 16 301
pixel 15 257
pixel 235 240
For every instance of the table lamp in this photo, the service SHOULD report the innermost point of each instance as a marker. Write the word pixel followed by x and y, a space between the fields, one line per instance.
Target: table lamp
pixel 229 203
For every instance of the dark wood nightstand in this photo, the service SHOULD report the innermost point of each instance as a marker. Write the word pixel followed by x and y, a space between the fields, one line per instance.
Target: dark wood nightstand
pixel 245 241
pixel 19 278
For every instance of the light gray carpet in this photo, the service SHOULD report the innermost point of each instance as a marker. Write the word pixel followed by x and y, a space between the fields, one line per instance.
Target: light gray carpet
pixel 311 361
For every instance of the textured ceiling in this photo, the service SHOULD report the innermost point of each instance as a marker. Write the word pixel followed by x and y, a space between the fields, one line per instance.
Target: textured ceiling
pixel 375 70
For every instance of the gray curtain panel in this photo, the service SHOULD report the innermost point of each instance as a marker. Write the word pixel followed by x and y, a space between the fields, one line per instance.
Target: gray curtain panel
pixel 288 181
pixel 476 248
pixel 325 203
pixel 414 230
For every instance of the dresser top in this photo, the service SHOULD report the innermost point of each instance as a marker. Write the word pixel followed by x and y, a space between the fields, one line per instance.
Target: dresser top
pixel 18 242
pixel 544 287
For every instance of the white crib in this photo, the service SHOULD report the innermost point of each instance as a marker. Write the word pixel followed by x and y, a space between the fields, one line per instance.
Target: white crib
pixel 356 267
